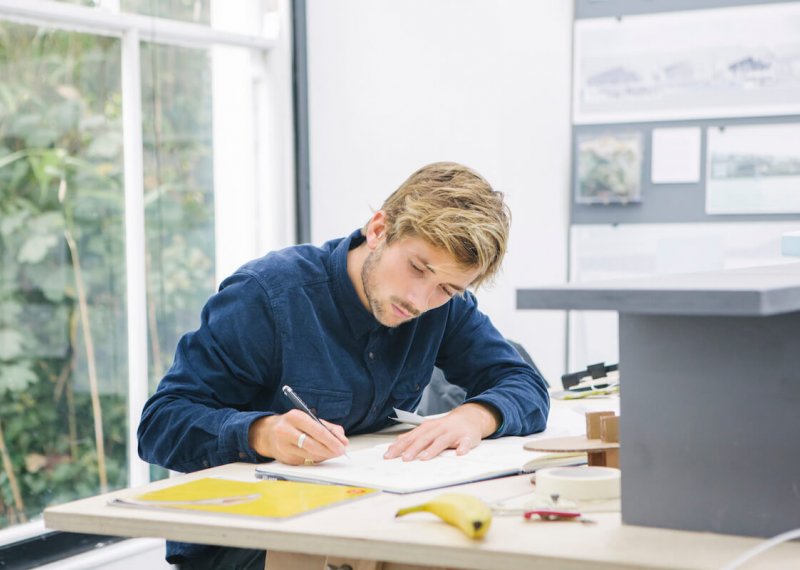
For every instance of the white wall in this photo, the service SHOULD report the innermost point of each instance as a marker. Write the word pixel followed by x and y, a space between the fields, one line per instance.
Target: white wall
pixel 395 84
pixel 253 142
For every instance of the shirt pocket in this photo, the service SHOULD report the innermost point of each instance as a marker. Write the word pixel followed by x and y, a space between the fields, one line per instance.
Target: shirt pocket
pixel 407 389
pixel 329 405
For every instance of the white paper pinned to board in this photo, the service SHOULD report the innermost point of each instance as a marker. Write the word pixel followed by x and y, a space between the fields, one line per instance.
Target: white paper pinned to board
pixel 675 156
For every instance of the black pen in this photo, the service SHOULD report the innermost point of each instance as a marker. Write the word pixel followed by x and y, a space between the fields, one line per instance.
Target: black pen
pixel 297 401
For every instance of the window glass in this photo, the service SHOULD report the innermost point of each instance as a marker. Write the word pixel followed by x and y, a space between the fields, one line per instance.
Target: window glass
pixel 91 3
pixel 245 16
pixel 196 11
pixel 63 340
pixel 179 199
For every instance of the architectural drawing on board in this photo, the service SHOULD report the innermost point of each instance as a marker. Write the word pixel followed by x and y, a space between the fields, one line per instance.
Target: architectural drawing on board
pixel 729 62
pixel 609 168
pixel 753 169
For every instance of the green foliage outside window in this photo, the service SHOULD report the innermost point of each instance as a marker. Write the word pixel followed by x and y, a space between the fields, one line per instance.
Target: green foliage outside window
pixel 179 198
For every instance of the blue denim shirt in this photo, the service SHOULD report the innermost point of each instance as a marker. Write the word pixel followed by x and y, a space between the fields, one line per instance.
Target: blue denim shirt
pixel 294 317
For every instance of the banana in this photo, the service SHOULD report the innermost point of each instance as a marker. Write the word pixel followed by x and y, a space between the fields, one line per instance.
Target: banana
pixel 470 514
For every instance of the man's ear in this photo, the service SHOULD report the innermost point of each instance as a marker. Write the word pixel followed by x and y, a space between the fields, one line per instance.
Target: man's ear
pixel 376 229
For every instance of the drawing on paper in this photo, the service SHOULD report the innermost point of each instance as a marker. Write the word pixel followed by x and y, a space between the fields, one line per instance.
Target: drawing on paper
pixel 739 61
pixel 753 169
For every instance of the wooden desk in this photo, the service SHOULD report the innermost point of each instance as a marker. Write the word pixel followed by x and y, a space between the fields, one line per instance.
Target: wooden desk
pixel 367 530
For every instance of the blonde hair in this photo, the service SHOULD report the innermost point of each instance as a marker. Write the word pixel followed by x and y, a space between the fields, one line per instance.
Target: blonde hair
pixel 454 208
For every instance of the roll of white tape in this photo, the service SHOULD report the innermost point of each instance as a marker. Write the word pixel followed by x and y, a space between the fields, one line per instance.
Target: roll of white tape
pixel 579 483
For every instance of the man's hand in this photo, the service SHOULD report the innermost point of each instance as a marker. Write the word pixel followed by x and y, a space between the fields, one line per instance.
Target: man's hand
pixel 278 437
pixel 462 429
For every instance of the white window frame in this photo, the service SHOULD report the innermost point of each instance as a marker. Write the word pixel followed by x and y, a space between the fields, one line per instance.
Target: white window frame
pixel 270 205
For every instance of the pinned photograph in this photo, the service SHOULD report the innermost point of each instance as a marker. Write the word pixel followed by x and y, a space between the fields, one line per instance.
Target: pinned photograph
pixel 609 168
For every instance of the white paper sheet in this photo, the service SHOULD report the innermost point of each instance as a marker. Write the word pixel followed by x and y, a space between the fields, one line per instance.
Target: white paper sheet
pixel 412 418
pixel 675 156
pixel 368 468
pixel 738 61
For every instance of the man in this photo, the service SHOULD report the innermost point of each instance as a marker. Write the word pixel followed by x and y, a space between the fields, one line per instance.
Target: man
pixel 355 327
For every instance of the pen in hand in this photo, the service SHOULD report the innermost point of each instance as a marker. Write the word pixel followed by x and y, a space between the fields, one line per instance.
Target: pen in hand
pixel 297 401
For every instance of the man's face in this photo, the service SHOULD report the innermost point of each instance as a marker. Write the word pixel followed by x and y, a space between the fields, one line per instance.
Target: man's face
pixel 405 279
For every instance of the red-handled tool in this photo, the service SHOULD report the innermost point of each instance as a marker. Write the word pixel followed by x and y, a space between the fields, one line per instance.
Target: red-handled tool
pixel 555 515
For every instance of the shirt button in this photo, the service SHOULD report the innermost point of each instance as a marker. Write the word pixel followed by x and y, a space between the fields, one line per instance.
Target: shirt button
pixel 314 411
pixel 416 387
pixel 242 455
pixel 205 462
pixel 372 356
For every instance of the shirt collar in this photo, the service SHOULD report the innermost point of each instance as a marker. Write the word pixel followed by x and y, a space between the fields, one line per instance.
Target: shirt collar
pixel 361 320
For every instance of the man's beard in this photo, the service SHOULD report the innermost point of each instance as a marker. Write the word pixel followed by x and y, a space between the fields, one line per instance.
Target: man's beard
pixel 370 290
pixel 368 282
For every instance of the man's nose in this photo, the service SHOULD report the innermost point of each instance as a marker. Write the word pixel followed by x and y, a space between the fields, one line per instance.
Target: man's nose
pixel 420 297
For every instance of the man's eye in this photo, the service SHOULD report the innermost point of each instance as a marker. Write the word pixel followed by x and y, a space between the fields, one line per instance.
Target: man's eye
pixel 415 268
pixel 447 291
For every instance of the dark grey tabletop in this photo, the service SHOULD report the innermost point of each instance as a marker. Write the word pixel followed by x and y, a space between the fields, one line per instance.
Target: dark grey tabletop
pixel 752 291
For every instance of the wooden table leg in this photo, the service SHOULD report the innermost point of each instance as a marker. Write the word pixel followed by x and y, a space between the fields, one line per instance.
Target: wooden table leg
pixel 340 563
pixel 293 561
pixel 297 561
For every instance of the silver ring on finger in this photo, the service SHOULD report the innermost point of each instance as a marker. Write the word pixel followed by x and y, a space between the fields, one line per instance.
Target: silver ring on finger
pixel 301 440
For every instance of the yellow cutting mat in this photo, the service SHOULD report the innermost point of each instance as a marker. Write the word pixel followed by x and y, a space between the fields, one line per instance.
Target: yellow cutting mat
pixel 273 499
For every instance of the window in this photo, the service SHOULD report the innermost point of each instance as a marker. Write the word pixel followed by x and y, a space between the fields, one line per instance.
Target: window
pixel 142 158
pixel 62 299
